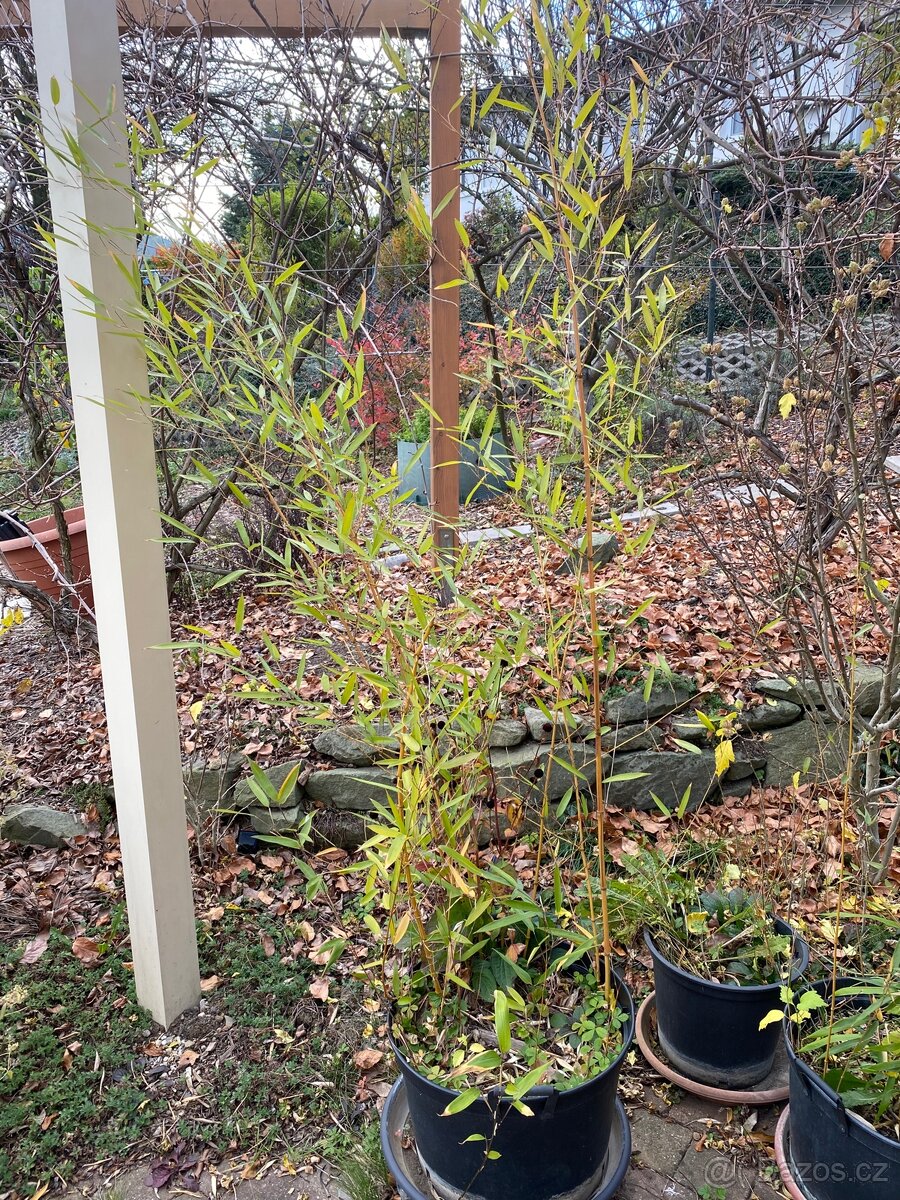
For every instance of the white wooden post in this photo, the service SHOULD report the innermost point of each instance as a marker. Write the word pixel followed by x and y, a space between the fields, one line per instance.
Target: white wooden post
pixel 80 80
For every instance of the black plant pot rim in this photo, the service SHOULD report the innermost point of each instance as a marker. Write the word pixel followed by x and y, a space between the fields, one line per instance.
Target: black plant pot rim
pixel 859 1124
pixel 799 963
pixel 542 1090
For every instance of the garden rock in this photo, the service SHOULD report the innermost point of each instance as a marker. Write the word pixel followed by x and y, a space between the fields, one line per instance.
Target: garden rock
pixel 275 820
pixel 629 738
pixel 209 787
pixel 787 749
pixel 664 773
pixel 604 548
pixel 665 696
pixel 245 797
pixel 867 682
pixel 355 789
pixel 749 757
pixel 506 731
pixel 691 731
pixel 771 714
pixel 355 746
pixel 540 727
pixel 526 771
pixel 335 828
pixel 779 689
pixel 40 825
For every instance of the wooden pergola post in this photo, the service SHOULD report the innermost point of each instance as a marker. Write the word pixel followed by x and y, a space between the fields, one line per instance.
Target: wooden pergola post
pixel 80 83
pixel 444 156
pixel 76 45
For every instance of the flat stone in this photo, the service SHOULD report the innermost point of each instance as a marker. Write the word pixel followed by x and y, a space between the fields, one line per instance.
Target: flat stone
pixel 659 1144
pixel 275 820
pixel 628 738
pixel 749 757
pixel 531 771
pixel 711 1173
pixel 337 827
pixel 604 548
pixel 691 731
pixel 779 689
pixel 643 1184
pixel 771 714
pixel 739 788
pixel 867 682
pixel 209 788
pixel 665 696
pixel 506 731
pixel 664 773
pixel 245 797
pixel 813 749
pixel 39 825
pixel 356 746
pixel 541 727
pixel 355 789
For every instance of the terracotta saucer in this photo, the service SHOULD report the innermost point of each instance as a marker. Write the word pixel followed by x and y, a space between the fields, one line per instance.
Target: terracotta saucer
pixel 771 1090
pixel 782 1156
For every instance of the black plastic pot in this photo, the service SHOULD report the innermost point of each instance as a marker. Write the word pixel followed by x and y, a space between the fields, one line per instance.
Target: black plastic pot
pixel 834 1154
pixel 561 1151
pixel 710 1031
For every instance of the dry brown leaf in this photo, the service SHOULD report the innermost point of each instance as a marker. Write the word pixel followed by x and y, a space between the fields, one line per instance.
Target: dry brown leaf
pixel 188 1058
pixel 35 947
pixel 268 945
pixel 210 984
pixel 367 1059
pixel 319 989
pixel 86 951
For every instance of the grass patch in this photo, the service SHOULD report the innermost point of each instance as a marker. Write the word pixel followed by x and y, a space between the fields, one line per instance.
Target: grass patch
pixel 85 1077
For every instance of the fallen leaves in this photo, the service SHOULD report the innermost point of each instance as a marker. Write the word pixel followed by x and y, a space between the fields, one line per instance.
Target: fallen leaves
pixel 367 1059
pixel 87 951
pixel 209 984
pixel 35 947
pixel 318 989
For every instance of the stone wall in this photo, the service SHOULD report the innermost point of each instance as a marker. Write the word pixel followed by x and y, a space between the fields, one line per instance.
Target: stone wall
pixel 652 745
pixel 786 733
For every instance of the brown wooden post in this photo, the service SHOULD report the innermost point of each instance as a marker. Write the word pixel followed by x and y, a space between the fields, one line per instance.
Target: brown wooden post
pixel 445 267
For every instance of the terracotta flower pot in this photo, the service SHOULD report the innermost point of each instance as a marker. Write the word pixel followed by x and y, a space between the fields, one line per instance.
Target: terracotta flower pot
pixel 24 561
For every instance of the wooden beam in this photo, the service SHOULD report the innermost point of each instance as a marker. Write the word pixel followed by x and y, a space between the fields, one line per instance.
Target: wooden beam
pixel 445 267
pixel 255 18
pixel 76 46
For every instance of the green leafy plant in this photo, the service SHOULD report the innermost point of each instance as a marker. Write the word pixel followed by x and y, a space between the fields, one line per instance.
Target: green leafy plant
pixel 721 932
pixel 849 1033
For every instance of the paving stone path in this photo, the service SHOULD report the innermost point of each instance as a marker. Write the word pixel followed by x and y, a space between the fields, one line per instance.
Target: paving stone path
pixel 683 1149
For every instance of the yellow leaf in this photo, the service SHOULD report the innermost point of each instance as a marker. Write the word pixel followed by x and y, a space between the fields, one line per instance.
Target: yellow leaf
pixel 786 404
pixel 866 140
pixel 696 922
pixel 196 710
pixel 727 206
pixel 724 756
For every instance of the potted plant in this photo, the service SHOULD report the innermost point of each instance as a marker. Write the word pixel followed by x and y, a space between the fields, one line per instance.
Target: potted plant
pixel 843 1044
pixel 508 1025
pixel 719 961
pixel 484 460
pixel 21 549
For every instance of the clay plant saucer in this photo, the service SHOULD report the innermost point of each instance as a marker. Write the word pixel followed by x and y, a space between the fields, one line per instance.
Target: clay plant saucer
pixel 782 1156
pixel 771 1090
